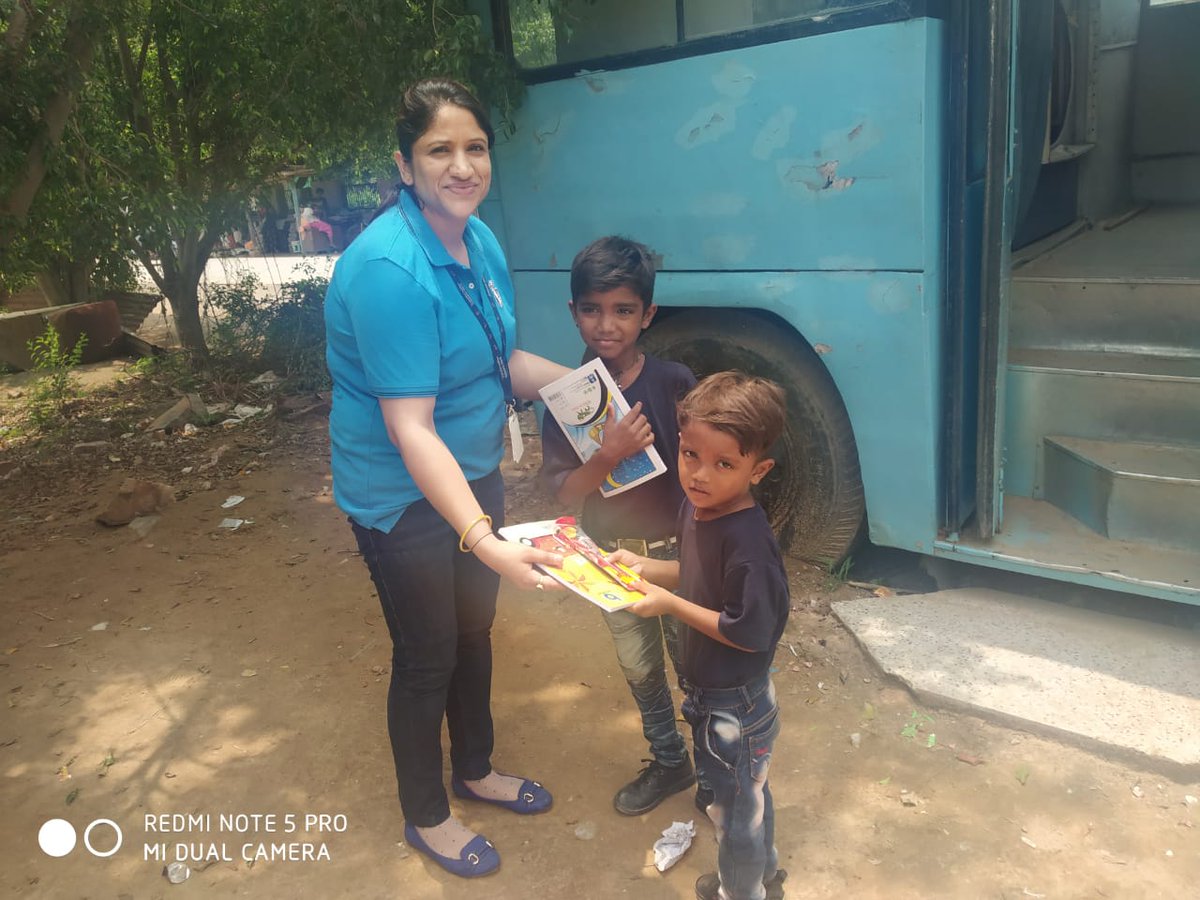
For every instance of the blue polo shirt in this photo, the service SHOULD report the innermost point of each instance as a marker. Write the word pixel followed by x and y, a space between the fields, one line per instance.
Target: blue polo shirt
pixel 398 326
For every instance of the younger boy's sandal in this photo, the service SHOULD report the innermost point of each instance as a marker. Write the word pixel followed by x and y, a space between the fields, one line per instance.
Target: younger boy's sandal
pixel 532 798
pixel 708 887
pixel 476 859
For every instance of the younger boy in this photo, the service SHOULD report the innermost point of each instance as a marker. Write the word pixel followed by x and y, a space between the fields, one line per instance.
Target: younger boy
pixel 612 303
pixel 731 573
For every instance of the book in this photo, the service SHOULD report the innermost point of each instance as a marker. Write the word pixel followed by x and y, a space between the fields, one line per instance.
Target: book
pixel 586 569
pixel 584 402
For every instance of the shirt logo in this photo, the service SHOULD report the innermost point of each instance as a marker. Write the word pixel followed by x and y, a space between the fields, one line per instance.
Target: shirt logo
pixel 495 293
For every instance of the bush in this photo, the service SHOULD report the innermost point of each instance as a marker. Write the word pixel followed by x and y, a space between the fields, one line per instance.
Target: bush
pixel 285 333
pixel 53 391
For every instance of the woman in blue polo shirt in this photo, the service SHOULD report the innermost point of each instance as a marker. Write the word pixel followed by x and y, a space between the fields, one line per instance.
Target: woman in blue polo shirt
pixel 420 347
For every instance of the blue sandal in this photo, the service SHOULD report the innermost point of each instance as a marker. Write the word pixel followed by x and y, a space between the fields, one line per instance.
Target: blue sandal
pixel 532 798
pixel 477 858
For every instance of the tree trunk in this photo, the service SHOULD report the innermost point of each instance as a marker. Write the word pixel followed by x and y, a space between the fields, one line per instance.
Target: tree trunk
pixel 183 295
pixel 177 269
pixel 68 282
pixel 194 249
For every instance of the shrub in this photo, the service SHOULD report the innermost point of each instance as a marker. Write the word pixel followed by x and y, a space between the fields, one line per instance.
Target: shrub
pixel 285 333
pixel 54 390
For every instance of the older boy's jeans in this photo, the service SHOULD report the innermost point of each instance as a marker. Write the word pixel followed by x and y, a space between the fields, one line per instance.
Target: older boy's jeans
pixel 439 605
pixel 639 644
pixel 733 733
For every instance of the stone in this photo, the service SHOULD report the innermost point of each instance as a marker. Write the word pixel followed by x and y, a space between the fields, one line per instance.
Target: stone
pixel 170 416
pixel 136 498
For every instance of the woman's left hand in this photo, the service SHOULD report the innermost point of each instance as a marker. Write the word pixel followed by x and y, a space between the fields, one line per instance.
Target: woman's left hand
pixel 516 562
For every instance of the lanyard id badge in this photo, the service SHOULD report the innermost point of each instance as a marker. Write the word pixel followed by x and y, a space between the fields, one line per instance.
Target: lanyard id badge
pixel 499 356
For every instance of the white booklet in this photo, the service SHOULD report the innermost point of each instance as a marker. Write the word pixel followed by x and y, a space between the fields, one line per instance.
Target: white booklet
pixel 584 402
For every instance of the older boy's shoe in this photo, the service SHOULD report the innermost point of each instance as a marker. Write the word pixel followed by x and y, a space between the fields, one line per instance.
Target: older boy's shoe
pixel 654 784
pixel 708 887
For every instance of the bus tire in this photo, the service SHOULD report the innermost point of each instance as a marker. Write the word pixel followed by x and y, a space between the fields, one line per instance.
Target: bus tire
pixel 813 497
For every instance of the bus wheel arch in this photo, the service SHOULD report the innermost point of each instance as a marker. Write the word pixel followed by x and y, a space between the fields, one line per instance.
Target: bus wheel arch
pixel 814 497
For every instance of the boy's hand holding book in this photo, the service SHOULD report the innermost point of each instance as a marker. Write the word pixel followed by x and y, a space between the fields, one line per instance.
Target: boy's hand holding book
pixel 659 576
pixel 629 559
pixel 626 437
pixel 659 601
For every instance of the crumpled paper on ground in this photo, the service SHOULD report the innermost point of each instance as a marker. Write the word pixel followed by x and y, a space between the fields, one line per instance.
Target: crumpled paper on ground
pixel 673 844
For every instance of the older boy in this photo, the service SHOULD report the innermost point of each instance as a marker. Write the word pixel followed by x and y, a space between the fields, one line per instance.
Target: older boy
pixel 733 603
pixel 612 303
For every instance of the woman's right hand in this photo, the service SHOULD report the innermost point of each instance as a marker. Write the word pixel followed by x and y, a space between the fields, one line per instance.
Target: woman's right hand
pixel 515 562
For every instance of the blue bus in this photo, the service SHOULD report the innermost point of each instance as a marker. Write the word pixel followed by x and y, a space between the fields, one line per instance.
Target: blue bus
pixel 963 234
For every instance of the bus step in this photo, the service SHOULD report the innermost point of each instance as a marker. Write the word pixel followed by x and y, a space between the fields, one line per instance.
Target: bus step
pixel 1127 490
pixel 1107 396
pixel 1137 315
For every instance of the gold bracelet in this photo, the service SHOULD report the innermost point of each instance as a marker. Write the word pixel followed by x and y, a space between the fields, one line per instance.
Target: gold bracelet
pixel 479 540
pixel 483 517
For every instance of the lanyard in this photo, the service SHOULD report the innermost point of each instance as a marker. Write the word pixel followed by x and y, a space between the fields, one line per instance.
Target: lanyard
pixel 500 351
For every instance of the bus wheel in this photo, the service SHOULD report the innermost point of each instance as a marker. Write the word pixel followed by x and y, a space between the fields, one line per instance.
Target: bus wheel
pixel 813 496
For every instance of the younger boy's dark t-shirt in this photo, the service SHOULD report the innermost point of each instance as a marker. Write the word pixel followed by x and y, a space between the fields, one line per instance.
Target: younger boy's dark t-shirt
pixel 732 564
pixel 648 510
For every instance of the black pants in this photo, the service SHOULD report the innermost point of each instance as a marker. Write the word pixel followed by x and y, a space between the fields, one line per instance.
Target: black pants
pixel 439 604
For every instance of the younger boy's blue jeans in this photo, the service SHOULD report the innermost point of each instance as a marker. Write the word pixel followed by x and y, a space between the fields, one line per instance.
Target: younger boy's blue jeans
pixel 733 734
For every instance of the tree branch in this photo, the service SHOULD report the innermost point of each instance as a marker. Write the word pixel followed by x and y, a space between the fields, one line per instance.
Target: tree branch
pixel 18 33
pixel 79 46
pixel 141 63
pixel 147 262
pixel 171 107
pixel 139 120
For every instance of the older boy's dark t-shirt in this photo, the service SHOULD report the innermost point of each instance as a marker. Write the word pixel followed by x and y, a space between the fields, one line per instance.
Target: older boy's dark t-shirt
pixel 732 564
pixel 648 510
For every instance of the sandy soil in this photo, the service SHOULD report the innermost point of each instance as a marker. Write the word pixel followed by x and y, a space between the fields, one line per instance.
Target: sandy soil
pixel 242 674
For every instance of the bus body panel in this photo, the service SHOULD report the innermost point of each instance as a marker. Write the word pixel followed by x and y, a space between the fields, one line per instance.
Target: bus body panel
pixel 868 149
pixel 857 188
pixel 885 373
pixel 820 135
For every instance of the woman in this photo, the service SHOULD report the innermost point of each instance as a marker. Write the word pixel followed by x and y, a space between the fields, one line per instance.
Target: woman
pixel 420 330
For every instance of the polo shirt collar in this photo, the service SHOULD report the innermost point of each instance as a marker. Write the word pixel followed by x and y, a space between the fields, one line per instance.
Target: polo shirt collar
pixel 434 249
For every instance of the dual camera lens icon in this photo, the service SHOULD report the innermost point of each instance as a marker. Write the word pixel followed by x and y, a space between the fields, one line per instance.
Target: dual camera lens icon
pixel 57 837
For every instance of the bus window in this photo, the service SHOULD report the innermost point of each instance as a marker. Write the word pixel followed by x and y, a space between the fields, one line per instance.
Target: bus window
pixel 702 18
pixel 549 32
pixel 545 32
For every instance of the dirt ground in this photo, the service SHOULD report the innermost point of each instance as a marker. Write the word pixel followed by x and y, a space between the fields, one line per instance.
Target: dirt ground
pixel 198 686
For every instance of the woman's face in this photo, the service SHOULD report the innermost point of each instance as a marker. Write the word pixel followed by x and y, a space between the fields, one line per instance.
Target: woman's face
pixel 450 169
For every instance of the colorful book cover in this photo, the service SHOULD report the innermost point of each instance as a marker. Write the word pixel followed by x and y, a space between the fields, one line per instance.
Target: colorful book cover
pixel 586 569
pixel 584 402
